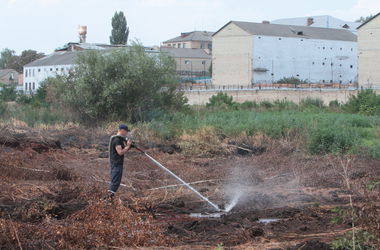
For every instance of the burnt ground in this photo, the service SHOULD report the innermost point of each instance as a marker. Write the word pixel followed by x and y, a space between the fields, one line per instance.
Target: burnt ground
pixel 295 190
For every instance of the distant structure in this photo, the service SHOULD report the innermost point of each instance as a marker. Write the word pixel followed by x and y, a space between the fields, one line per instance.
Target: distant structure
pixel 369 53
pixel 190 63
pixel 82 34
pixel 191 40
pixel 319 22
pixel 246 53
pixel 9 76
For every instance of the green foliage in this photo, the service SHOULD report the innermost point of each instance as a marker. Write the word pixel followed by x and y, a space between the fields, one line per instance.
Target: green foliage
pixel 285 105
pixel 334 104
pixel 365 102
pixel 8 59
pixel 373 185
pixel 3 108
pixel 266 104
pixel 363 19
pixel 248 105
pixel 220 100
pixel 310 103
pixel 332 139
pixel 8 93
pixel 363 241
pixel 291 80
pixel 124 84
pixel 120 30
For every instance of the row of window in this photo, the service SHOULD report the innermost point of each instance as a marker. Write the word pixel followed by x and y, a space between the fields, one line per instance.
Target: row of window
pixel 183 45
pixel 30 86
pixel 31 72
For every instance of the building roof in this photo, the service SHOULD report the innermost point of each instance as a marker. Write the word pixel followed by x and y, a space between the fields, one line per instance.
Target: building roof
pixel 4 72
pixel 324 21
pixel 186 53
pixel 192 36
pixel 378 14
pixel 57 58
pixel 280 30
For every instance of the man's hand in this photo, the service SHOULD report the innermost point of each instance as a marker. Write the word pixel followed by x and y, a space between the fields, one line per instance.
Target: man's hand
pixel 129 143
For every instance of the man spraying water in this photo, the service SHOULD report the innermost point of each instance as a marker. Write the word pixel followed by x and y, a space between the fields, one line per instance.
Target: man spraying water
pixel 118 146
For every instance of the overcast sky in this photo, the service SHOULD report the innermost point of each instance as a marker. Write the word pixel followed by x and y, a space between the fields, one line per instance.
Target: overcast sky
pixel 44 25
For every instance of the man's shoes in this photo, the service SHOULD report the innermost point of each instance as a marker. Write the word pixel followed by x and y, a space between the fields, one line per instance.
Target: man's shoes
pixel 110 197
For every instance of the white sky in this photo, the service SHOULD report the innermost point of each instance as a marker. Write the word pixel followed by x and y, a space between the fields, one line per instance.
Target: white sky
pixel 44 25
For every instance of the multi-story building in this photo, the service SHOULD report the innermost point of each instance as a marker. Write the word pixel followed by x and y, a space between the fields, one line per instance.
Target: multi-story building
pixel 247 53
pixel 320 22
pixel 369 53
pixel 9 76
pixel 191 40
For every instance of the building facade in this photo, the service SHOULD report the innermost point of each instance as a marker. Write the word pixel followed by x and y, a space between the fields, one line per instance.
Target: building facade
pixel 190 63
pixel 253 53
pixel 191 40
pixel 320 21
pixel 58 63
pixel 369 53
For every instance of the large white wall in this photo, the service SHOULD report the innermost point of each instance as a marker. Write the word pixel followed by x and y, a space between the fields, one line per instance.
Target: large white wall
pixel 318 61
pixel 34 76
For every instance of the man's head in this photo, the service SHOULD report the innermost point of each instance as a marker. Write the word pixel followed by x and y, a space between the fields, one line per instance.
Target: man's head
pixel 123 129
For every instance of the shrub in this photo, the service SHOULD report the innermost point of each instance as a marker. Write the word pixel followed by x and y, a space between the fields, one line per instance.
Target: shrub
pixel 248 105
pixel 8 93
pixel 220 100
pixel 285 105
pixel 334 104
pixel 291 80
pixel 3 108
pixel 332 139
pixel 311 103
pixel 365 102
pixel 266 104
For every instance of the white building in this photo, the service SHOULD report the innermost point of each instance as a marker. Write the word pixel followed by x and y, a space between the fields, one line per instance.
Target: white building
pixel 320 21
pixel 247 53
pixel 52 65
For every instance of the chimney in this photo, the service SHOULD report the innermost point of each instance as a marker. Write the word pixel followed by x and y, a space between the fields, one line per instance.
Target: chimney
pixel 82 34
pixel 310 21
pixel 265 22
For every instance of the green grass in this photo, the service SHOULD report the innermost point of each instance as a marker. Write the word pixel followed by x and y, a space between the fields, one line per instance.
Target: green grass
pixel 322 132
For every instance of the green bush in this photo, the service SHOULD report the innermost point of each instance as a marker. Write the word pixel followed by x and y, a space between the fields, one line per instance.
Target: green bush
pixel 334 104
pixel 311 103
pixel 284 105
pixel 33 115
pixel 266 104
pixel 291 80
pixel 365 102
pixel 326 139
pixel 3 108
pixel 363 241
pixel 248 105
pixel 220 100
pixel 8 93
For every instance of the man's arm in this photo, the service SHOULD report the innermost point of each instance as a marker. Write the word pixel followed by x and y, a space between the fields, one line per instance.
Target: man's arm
pixel 122 151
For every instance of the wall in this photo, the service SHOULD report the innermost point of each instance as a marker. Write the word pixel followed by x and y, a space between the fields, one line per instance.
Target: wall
pixel 232 53
pixel 202 97
pixel 318 61
pixel 33 76
pixel 369 54
pixel 193 65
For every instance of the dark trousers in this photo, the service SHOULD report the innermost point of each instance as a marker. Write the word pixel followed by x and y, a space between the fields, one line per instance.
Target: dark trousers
pixel 116 174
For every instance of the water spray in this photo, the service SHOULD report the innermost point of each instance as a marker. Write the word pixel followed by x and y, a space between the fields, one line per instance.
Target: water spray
pixel 216 207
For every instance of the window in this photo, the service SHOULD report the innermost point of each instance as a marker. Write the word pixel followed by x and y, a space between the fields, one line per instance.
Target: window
pixel 340 65
pixel 313 63
pixel 26 86
pixel 26 73
pixel 209 46
pixel 56 69
pixel 202 45
pixel 39 70
pixel 259 37
pixel 331 81
pixel 33 73
pixel 51 69
pixel 341 48
pixel 179 45
pixel 184 45
pixel 279 38
pixel 352 49
pixel 323 63
pixel 351 66
pixel 62 69
pixel 324 47
pixel 203 62
pixel 323 81
pixel 30 86
pixel 34 85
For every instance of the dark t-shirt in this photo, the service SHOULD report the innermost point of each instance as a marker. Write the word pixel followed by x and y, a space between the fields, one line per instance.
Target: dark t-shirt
pixel 114 156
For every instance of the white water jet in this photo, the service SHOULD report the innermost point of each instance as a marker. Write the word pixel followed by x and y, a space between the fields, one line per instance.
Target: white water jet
pixel 233 202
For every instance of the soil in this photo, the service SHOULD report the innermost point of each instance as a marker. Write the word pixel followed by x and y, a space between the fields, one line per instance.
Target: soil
pixel 297 191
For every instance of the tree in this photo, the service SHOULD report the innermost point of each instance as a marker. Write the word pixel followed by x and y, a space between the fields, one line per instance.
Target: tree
pixel 123 84
pixel 363 19
pixel 17 62
pixel 120 31
pixel 6 56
